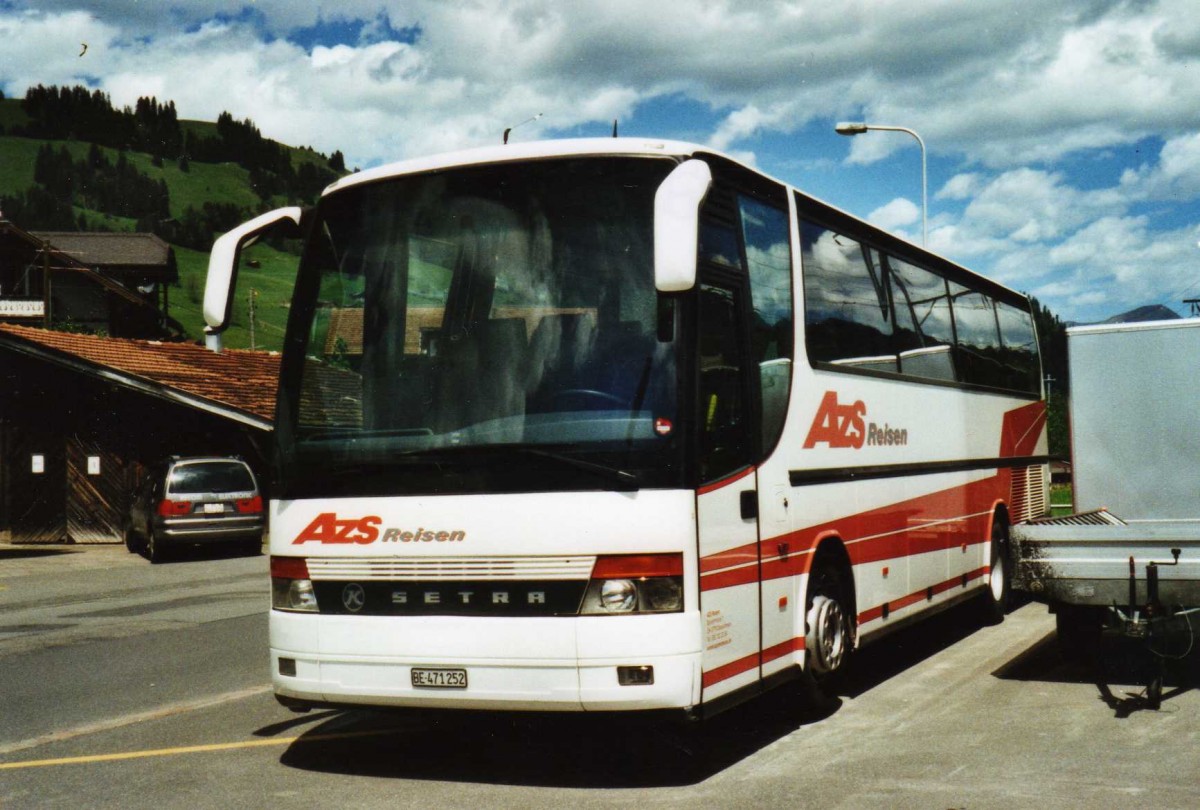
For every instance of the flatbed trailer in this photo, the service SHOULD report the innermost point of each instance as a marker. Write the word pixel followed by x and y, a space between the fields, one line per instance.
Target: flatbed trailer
pixel 1128 560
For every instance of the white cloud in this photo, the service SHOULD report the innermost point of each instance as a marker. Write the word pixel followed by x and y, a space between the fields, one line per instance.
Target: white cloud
pixel 960 187
pixel 1000 91
pixel 1175 176
pixel 896 214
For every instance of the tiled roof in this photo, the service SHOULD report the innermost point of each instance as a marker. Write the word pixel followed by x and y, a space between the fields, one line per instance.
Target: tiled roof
pixel 243 381
pixel 99 249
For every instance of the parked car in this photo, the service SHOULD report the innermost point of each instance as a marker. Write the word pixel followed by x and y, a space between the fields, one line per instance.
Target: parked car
pixel 204 499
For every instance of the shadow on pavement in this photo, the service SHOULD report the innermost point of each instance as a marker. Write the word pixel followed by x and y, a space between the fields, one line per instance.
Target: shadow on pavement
pixel 590 751
pixel 1123 670
pixel 33 552
pixel 543 751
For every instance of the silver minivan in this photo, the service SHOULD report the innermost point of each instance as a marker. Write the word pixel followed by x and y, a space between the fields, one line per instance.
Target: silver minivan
pixel 202 499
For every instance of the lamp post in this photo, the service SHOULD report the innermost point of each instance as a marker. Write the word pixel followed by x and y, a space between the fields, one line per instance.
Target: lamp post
pixel 851 128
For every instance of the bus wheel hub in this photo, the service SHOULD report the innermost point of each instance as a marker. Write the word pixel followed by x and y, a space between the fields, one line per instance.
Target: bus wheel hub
pixel 826 639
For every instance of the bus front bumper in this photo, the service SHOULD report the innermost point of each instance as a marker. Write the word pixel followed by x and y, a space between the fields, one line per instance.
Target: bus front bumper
pixel 565 664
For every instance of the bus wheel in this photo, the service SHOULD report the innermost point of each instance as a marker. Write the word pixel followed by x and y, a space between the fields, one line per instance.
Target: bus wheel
pixel 827 639
pixel 998 597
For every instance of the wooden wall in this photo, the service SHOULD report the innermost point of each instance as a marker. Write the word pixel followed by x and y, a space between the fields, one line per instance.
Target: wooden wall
pixel 68 418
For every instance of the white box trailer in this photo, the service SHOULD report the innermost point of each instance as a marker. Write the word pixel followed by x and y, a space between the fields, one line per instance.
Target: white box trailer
pixel 1129 558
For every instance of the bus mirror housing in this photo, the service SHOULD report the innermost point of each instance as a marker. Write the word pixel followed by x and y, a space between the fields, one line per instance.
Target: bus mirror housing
pixel 677 225
pixel 221 282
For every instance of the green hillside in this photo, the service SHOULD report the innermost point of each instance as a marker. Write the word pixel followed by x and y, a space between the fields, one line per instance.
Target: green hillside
pixel 272 281
pixel 192 187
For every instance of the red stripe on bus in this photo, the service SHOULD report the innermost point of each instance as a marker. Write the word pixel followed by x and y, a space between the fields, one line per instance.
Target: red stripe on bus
pixel 918 596
pixel 724 482
pixel 730 670
pixel 786 648
pixel 728 559
pixel 881 534
pixel 749 662
pixel 729 579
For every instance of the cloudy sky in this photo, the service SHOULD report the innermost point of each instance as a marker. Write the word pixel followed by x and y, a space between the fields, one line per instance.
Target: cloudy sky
pixel 1063 136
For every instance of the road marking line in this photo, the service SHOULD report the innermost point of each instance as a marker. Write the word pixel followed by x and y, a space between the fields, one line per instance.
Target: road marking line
pixel 133 719
pixel 190 749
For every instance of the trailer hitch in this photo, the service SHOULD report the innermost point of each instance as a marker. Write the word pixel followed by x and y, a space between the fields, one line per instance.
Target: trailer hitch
pixel 1150 621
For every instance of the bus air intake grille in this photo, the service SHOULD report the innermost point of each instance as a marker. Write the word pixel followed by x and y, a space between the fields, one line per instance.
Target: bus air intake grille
pixel 1028 498
pixel 450 569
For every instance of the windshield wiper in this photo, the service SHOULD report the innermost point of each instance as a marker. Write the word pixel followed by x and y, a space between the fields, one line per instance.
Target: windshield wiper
pixel 624 478
pixel 627 479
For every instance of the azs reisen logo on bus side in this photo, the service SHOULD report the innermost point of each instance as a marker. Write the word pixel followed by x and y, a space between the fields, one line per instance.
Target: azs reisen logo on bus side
pixel 842 426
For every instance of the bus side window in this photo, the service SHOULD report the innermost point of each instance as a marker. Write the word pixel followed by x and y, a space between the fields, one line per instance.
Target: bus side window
pixel 847 302
pixel 1020 351
pixel 978 338
pixel 724 441
pixel 769 262
pixel 924 331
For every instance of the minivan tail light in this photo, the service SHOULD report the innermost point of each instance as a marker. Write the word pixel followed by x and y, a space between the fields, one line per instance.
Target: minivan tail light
pixel 172 508
pixel 250 505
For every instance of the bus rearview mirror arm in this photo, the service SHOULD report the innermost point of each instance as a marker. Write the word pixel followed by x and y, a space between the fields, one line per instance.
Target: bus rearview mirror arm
pixel 221 282
pixel 677 225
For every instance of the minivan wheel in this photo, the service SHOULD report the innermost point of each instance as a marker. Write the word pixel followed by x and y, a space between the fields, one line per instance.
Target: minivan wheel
pixel 130 539
pixel 154 548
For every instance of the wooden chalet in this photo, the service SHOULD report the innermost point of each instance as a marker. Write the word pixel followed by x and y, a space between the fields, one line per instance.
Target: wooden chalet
pixel 81 416
pixel 106 283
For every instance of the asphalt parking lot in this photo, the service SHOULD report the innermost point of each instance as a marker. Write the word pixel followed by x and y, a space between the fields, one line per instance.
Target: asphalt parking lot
pixel 165 702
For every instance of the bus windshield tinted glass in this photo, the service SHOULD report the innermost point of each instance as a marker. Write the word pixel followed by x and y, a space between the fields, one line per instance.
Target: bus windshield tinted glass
pixel 486 306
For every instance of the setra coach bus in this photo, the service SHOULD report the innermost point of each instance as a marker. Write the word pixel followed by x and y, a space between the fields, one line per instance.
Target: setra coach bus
pixel 624 425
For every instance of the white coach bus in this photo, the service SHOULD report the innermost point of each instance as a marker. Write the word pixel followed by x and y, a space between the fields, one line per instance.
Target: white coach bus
pixel 623 425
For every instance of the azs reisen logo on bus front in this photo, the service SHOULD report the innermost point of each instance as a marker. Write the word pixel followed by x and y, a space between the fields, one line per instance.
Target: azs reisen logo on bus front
pixel 842 426
pixel 327 527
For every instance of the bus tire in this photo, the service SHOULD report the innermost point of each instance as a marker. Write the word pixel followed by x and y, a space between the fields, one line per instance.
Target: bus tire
pixel 998 596
pixel 829 637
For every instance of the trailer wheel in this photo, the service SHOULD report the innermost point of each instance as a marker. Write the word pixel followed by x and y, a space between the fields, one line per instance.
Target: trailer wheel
pixel 828 638
pixel 998 597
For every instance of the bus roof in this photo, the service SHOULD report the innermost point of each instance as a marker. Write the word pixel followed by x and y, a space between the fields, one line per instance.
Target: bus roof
pixel 532 150
pixel 648 147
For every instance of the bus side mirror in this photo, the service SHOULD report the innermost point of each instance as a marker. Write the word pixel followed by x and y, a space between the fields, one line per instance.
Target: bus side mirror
pixel 221 283
pixel 677 225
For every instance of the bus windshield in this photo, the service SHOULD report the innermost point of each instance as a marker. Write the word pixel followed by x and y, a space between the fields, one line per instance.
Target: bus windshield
pixel 485 313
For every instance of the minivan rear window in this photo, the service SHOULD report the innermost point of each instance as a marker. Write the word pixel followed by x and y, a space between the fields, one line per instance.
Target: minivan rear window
pixel 210 476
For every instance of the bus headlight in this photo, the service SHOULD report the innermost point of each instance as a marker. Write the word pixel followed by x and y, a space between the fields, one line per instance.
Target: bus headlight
pixel 635 583
pixel 291 589
pixel 618 595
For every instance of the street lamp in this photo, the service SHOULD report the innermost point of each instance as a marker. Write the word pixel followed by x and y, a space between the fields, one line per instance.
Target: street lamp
pixel 851 128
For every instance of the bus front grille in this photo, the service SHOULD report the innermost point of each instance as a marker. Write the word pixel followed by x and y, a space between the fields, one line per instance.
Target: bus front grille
pixel 451 569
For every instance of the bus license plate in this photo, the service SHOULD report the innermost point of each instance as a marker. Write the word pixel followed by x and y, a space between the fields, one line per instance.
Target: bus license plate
pixel 439 678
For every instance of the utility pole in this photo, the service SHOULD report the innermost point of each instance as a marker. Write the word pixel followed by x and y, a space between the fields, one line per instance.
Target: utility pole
pixel 253 298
